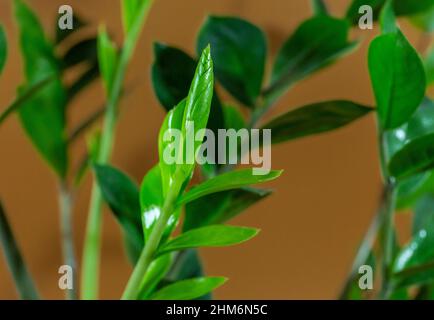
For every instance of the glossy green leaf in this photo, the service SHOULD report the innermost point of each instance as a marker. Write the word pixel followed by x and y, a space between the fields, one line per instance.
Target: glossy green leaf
pixel 122 195
pixel 227 181
pixel 423 217
pixel 108 59
pixel 221 206
pixel 172 74
pixel 15 261
pixel 314 119
pixel 189 289
pixel 3 48
pixel 429 66
pixel 398 78
pixel 316 43
pixel 417 156
pixel 388 18
pixel 151 202
pixel 43 116
pixel 210 236
pixel 238 50
pixel 157 270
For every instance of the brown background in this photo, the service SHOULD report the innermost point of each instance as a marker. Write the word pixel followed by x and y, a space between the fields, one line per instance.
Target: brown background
pixel 310 226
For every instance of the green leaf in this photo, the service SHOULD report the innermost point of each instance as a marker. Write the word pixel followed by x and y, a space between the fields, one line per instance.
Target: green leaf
pixel 423 218
pixel 83 51
pixel 227 181
pixel 388 19
pixel 43 116
pixel 3 48
pixel 122 195
pixel 189 289
pixel 130 11
pixel 24 97
pixel 314 119
pixel 238 50
pixel 151 203
pixel 172 74
pixel 233 118
pixel 108 59
pixel 398 78
pixel 429 66
pixel 210 236
pixel 417 156
pixel 319 7
pixel 316 43
pixel 353 14
pixel 15 261
pixel 222 206
pixel 157 270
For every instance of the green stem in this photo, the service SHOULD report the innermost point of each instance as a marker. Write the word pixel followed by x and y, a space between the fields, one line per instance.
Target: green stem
pixel 23 281
pixel 134 283
pixel 65 205
pixel 91 251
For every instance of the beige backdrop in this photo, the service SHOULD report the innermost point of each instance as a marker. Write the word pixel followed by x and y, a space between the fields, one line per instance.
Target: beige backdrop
pixel 310 226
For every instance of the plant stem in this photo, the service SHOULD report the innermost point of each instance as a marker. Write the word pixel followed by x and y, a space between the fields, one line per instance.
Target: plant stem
pixel 91 252
pixel 23 281
pixel 65 205
pixel 133 286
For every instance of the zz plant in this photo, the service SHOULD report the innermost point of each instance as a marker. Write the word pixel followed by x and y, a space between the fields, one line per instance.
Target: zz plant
pixel 232 53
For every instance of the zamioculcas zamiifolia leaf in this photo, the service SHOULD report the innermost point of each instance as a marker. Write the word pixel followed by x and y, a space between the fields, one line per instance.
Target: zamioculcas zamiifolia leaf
pixel 122 195
pixel 227 181
pixel 130 10
pixel 233 118
pixel 108 58
pixel 157 270
pixel 416 157
pixel 43 116
pixel 319 7
pixel 83 51
pixel 189 289
pixel 151 202
pixel 423 214
pixel 388 18
pixel 221 206
pixel 316 43
pixel 398 78
pixel 238 50
pixel 3 48
pixel 210 236
pixel 314 119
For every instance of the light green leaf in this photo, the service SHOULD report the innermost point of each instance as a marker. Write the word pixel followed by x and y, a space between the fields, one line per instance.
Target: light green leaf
pixel 43 116
pixel 388 19
pixel 314 119
pixel 316 43
pixel 157 270
pixel 108 59
pixel 130 12
pixel 189 289
pixel 319 7
pixel 122 195
pixel 222 206
pixel 398 78
pixel 210 236
pixel 151 202
pixel 3 48
pixel 238 50
pixel 227 181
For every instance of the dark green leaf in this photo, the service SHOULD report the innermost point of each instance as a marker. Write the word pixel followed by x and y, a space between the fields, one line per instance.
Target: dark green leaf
pixel 122 195
pixel 316 43
pixel 233 118
pixel 221 207
pixel 83 81
pixel 189 289
pixel 227 181
pixel 353 10
pixel 398 78
pixel 151 202
pixel 43 116
pixel 319 7
pixel 83 51
pixel 3 48
pixel 416 157
pixel 210 236
pixel 314 119
pixel 15 261
pixel 238 50
pixel 108 59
